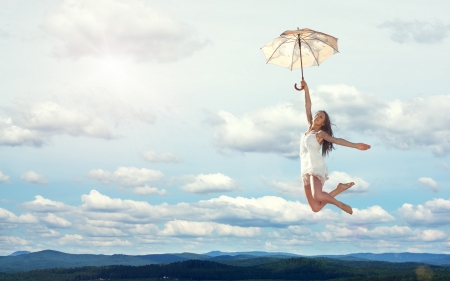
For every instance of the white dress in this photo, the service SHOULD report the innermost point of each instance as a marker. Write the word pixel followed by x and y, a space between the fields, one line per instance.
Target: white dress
pixel 312 162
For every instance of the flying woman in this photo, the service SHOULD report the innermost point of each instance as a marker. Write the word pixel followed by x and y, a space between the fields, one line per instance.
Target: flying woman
pixel 313 168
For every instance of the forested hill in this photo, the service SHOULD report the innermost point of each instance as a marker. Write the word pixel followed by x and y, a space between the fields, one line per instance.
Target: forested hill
pixel 286 269
pixel 25 261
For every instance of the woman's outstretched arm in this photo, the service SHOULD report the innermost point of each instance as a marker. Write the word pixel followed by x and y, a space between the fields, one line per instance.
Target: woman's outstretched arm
pixel 324 136
pixel 307 103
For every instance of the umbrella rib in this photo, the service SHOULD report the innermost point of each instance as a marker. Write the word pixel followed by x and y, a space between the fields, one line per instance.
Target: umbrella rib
pixel 293 50
pixel 315 38
pixel 275 51
pixel 311 52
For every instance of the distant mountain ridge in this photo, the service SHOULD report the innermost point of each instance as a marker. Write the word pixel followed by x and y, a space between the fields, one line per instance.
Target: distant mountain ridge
pixel 20 253
pixel 23 261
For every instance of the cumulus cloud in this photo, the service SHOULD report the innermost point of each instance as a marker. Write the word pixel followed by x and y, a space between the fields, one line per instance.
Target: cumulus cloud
pixel 152 156
pixel 12 135
pixel 274 129
pixel 35 124
pixel 425 32
pixel 101 220
pixel 119 28
pixel 429 183
pixel 54 221
pixel 43 231
pixel 147 190
pixel 293 188
pixel 384 233
pixel 373 214
pixel 8 217
pixel 434 212
pixel 126 176
pixel 277 129
pixel 43 205
pixel 33 177
pixel 78 240
pixel 3 178
pixel 266 211
pixel 8 241
pixel 192 228
pixel 211 183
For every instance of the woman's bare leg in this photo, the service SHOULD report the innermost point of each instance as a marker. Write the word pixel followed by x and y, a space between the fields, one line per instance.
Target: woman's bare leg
pixel 324 198
pixel 313 203
pixel 318 205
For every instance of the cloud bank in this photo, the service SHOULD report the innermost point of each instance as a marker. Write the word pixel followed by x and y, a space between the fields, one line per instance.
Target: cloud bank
pixel 424 32
pixel 403 125
pixel 103 221
pixel 120 29
pixel 35 124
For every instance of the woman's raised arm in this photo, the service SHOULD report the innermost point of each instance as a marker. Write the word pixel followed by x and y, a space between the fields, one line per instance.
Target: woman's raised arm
pixel 307 103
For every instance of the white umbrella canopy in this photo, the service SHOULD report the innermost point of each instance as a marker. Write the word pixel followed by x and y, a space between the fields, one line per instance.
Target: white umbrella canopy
pixel 300 48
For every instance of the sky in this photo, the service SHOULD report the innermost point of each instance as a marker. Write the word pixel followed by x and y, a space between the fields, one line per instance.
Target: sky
pixel 139 127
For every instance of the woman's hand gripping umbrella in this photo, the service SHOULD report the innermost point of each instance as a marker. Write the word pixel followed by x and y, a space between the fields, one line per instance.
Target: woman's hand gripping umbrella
pixel 300 48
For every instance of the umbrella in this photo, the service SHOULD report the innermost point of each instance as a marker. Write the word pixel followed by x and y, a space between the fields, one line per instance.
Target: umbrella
pixel 300 48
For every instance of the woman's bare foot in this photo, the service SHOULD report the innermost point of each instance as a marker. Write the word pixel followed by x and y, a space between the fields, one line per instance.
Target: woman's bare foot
pixel 341 188
pixel 344 186
pixel 346 208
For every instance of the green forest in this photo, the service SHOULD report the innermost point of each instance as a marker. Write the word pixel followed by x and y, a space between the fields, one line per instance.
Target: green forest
pixel 286 269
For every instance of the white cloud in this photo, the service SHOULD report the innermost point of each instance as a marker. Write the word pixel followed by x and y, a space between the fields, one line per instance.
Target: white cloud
pixel 94 231
pixel 211 183
pixel 78 240
pixel 13 135
pixel 132 176
pixel 426 32
pixel 97 202
pixel 8 241
pixel 43 231
pixel 373 214
pixel 192 228
pixel 429 183
pixel 101 176
pixel 433 235
pixel 126 176
pixel 119 28
pixel 33 177
pixel 54 221
pixel 8 217
pixel 146 190
pixel 152 156
pixel 3 178
pixel 360 187
pixel 35 124
pixel 294 188
pixel 270 130
pixel 434 212
pixel 278 129
pixel 384 233
pixel 43 205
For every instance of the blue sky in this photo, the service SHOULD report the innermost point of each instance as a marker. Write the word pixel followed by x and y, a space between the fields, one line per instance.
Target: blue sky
pixel 141 127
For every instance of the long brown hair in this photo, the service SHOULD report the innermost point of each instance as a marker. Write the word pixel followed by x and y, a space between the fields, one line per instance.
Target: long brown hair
pixel 327 147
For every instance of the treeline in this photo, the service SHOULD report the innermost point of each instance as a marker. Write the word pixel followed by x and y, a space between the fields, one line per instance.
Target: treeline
pixel 289 269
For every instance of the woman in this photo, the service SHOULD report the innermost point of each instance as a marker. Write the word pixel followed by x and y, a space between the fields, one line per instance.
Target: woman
pixel 313 168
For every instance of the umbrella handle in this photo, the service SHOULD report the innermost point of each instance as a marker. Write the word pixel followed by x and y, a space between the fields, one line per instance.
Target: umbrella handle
pixel 295 86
